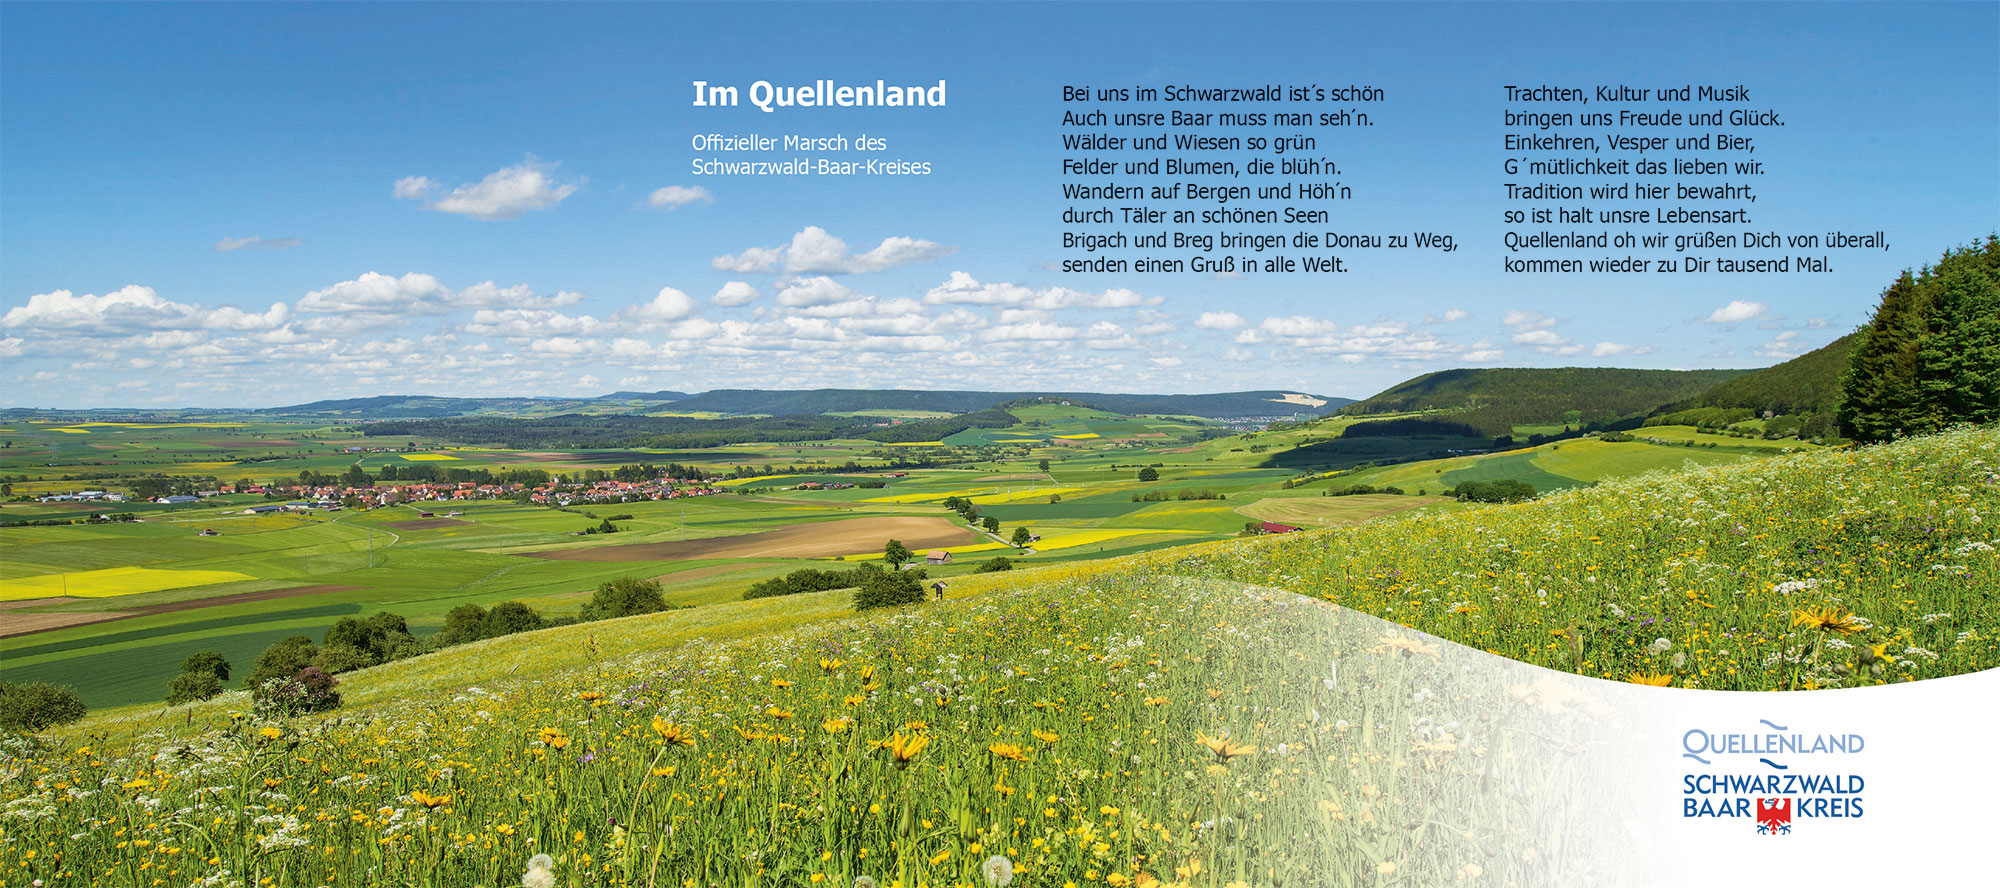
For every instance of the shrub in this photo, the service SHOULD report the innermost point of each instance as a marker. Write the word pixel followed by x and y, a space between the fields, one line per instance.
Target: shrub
pixel 1505 491
pixel 994 564
pixel 881 588
pixel 1149 474
pixel 281 660
pixel 311 690
pixel 38 706
pixel 334 658
pixel 509 617
pixel 625 597
pixel 466 622
pixel 193 687
pixel 804 580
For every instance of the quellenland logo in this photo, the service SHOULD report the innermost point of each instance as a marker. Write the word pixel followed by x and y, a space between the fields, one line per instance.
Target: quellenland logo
pixel 1755 777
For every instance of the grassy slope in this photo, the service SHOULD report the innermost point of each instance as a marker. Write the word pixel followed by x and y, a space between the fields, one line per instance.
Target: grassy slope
pixel 1116 665
pixel 1717 561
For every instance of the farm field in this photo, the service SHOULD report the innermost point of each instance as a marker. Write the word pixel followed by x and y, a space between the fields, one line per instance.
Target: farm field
pixel 145 594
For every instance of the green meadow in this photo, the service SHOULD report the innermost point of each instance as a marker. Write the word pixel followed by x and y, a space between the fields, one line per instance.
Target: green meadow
pixel 151 591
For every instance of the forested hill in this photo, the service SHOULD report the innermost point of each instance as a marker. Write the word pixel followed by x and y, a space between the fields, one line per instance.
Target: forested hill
pixel 1496 400
pixel 1809 383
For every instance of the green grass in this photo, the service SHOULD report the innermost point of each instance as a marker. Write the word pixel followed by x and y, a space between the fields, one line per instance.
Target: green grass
pixel 1721 563
pixel 1077 749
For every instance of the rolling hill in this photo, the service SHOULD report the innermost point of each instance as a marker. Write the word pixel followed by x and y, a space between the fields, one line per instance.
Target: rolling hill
pixel 1494 401
pixel 1809 383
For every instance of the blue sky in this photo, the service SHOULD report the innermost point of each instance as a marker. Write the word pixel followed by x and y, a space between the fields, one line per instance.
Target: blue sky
pixel 255 205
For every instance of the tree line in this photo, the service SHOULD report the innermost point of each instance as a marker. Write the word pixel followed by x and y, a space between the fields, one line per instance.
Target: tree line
pixel 1930 355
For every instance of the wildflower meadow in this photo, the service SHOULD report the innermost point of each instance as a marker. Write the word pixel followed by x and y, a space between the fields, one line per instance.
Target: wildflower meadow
pixel 1178 718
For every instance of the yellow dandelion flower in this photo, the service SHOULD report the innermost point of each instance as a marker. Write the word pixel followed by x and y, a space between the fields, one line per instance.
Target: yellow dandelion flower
pixel 671 733
pixel 775 712
pixel 827 665
pixel 1409 646
pixel 903 748
pixel 427 800
pixel 836 725
pixel 1046 737
pixel 553 738
pixel 1830 619
pixel 270 732
pixel 1008 751
pixel 590 696
pixel 1656 679
pixel 1157 701
pixel 780 683
pixel 1223 747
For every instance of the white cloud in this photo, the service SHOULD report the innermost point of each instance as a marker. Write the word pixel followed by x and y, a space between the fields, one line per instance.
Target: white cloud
pixel 1784 346
pixel 814 251
pixel 1533 329
pixel 735 293
pixel 131 309
pixel 1481 356
pixel 1527 320
pixel 414 188
pixel 507 193
pixel 1456 314
pixel 669 305
pixel 964 289
pixel 1220 320
pixel 673 197
pixel 524 322
pixel 415 293
pixel 1031 330
pixel 755 259
pixel 1608 349
pixel 1736 311
pixel 814 291
pixel 232 244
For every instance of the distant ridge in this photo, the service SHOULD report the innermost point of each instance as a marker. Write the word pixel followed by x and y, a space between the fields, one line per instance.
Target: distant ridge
pixel 814 402
pixel 1226 405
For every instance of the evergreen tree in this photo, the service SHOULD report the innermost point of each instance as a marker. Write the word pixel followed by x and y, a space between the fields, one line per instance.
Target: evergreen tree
pixel 1878 399
pixel 1958 362
pixel 1930 356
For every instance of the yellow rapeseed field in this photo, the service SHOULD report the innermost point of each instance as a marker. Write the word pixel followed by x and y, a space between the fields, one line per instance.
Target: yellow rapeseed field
pixel 111 581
